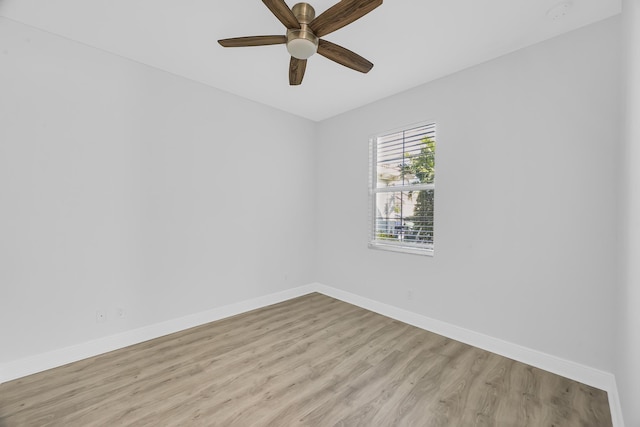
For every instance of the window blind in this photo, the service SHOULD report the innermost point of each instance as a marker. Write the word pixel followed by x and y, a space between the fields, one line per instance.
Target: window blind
pixel 403 189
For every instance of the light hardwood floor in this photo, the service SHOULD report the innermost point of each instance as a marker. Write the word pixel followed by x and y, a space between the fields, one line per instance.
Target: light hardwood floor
pixel 311 361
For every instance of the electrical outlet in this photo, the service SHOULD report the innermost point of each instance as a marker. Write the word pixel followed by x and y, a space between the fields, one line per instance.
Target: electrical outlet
pixel 101 316
pixel 121 312
pixel 409 294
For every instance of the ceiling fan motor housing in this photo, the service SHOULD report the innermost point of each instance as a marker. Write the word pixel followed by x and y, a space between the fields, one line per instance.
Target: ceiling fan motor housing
pixel 302 43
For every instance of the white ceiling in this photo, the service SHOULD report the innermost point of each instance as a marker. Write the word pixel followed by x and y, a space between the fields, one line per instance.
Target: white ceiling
pixel 410 42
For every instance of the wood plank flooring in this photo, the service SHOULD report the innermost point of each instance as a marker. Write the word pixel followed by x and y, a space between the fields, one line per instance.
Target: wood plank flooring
pixel 310 361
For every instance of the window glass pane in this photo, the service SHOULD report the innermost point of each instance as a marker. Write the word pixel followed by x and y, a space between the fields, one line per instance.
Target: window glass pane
pixel 420 218
pixel 405 216
pixel 390 160
pixel 419 165
pixel 405 158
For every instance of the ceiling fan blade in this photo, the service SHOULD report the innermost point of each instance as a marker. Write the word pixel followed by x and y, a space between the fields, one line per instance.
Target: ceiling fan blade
pixel 341 14
pixel 344 56
pixel 280 9
pixel 253 41
pixel 296 70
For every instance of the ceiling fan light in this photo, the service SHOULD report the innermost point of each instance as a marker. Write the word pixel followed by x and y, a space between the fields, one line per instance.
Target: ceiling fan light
pixel 301 43
pixel 301 48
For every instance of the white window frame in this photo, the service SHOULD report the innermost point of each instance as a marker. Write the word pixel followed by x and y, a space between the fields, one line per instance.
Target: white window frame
pixel 374 190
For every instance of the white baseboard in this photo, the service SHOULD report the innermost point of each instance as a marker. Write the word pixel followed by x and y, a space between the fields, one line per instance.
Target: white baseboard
pixel 55 358
pixel 614 404
pixel 575 371
pixel 566 368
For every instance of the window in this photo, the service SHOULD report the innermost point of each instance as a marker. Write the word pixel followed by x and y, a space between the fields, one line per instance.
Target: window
pixel 402 190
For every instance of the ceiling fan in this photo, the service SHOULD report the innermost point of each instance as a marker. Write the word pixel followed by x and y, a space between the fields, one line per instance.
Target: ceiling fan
pixel 304 30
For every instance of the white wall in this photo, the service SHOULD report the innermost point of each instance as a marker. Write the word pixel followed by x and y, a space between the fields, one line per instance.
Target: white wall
pixel 628 348
pixel 525 201
pixel 121 185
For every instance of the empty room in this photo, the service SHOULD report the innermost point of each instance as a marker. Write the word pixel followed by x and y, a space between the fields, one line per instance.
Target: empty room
pixel 229 213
